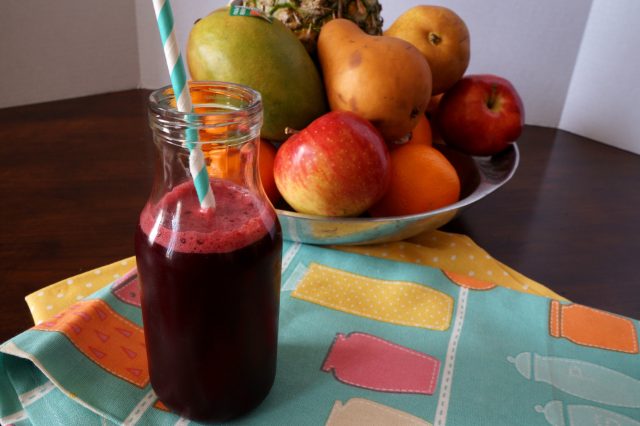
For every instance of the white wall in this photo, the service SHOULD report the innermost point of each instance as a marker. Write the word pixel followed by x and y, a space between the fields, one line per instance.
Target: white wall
pixel 602 101
pixel 65 48
pixel 574 63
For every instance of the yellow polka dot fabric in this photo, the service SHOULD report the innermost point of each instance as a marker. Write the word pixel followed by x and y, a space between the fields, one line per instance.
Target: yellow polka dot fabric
pixel 53 299
pixel 447 251
pixel 455 253
pixel 397 302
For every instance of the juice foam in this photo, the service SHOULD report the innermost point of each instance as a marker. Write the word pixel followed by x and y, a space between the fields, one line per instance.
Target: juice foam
pixel 239 219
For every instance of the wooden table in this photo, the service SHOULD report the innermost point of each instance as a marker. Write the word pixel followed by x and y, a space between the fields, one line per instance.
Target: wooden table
pixel 74 175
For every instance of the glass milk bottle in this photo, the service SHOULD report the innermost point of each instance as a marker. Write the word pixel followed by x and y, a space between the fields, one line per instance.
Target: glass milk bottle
pixel 210 278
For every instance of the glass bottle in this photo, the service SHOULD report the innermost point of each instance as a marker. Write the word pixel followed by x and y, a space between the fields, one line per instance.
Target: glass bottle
pixel 210 278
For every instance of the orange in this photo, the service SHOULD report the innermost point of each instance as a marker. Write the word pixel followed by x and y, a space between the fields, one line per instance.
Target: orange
pixel 265 162
pixel 422 179
pixel 421 134
pixel 434 103
pixel 224 162
pixel 227 162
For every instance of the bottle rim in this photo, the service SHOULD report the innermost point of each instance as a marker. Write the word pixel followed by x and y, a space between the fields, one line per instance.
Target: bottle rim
pixel 218 106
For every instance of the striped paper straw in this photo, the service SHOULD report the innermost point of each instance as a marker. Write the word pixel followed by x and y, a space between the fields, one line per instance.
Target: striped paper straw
pixel 197 167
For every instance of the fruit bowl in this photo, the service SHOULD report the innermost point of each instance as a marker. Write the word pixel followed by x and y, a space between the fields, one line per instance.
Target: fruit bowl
pixel 479 177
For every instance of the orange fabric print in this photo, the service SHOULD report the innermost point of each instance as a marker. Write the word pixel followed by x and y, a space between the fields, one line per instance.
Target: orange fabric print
pixel 591 327
pixel 160 406
pixel 104 336
pixel 468 282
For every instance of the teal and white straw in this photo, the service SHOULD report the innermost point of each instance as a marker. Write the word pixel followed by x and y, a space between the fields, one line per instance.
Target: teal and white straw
pixel 197 167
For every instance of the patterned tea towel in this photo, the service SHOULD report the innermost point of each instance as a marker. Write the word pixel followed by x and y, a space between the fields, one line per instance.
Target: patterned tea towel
pixel 429 331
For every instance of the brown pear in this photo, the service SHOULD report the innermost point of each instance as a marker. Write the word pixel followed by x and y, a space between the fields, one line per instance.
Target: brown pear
pixel 441 36
pixel 383 79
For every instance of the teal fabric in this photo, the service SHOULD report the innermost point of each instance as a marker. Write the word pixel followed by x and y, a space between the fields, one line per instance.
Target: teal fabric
pixel 498 364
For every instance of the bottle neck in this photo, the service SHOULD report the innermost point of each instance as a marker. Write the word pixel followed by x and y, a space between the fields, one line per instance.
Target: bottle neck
pixel 224 125
pixel 237 164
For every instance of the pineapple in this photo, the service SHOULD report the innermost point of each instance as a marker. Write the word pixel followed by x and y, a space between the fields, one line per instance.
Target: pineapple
pixel 306 17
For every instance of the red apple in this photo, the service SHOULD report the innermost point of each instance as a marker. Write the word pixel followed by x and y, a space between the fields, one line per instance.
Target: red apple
pixel 336 166
pixel 480 115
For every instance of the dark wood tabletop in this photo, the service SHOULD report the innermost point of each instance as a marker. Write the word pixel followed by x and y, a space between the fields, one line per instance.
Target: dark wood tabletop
pixel 74 175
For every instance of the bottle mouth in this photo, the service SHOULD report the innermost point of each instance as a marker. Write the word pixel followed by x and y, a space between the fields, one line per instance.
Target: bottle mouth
pixel 223 113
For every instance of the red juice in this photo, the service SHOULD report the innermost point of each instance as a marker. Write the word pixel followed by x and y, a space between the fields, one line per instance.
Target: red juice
pixel 210 297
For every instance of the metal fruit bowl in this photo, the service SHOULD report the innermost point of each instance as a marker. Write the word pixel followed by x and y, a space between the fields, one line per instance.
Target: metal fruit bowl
pixel 479 177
